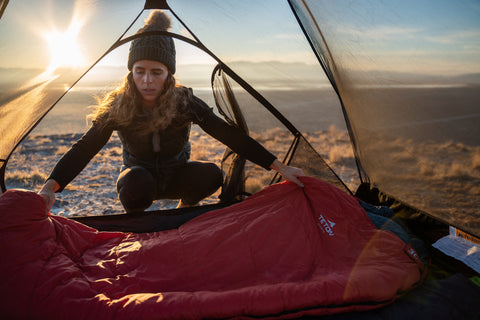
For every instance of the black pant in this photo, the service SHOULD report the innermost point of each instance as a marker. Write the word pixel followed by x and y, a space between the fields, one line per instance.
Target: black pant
pixel 137 187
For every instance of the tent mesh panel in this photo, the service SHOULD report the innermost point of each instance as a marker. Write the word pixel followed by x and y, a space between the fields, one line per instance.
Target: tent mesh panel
pixel 306 157
pixel 297 151
pixel 413 119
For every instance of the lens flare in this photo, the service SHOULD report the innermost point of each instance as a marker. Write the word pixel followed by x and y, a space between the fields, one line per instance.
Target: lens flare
pixel 65 49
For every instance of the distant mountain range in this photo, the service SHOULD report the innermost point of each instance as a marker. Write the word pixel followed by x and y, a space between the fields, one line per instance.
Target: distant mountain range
pixel 264 72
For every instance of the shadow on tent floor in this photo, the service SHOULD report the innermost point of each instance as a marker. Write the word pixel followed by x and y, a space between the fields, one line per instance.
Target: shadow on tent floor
pixel 147 221
pixel 452 298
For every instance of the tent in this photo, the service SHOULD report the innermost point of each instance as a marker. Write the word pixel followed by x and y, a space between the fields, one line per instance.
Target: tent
pixel 406 79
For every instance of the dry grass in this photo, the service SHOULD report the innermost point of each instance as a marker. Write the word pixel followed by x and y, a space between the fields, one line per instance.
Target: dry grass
pixel 96 184
pixel 26 179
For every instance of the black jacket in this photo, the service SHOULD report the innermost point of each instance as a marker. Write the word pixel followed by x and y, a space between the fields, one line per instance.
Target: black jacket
pixel 172 144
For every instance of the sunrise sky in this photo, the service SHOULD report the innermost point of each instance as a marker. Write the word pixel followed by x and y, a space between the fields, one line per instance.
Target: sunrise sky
pixel 438 36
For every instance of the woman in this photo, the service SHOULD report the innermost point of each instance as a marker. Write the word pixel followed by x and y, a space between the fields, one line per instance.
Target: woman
pixel 153 117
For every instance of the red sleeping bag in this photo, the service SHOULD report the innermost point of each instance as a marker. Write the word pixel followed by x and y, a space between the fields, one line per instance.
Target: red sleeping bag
pixel 282 253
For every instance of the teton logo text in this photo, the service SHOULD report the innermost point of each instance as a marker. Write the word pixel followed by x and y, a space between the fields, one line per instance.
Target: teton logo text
pixel 326 225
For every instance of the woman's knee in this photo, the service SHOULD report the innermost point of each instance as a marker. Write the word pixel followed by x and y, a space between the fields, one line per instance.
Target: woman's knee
pixel 215 174
pixel 136 188
pixel 207 176
pixel 204 179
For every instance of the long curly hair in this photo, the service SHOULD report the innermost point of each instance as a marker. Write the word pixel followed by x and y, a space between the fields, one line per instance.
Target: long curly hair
pixel 123 107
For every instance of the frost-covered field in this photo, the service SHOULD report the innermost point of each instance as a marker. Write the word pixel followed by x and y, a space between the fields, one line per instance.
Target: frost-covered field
pixel 93 191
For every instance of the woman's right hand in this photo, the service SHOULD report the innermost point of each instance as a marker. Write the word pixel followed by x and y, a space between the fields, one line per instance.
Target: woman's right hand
pixel 288 173
pixel 48 193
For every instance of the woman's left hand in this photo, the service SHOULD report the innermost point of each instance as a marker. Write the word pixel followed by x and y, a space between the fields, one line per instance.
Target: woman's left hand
pixel 287 172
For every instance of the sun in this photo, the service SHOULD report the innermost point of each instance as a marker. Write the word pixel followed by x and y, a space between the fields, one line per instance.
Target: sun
pixel 65 49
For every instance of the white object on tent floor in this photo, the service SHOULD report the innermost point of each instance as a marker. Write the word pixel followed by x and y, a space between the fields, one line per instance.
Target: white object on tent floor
pixel 460 249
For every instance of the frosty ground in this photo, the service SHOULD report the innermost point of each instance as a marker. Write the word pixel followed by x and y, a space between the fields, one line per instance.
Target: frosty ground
pixel 93 191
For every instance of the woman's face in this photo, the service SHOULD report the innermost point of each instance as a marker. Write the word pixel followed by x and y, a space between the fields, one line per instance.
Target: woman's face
pixel 149 77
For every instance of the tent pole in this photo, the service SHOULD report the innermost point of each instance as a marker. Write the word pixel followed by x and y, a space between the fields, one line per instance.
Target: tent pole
pixel 361 173
pixel 3 187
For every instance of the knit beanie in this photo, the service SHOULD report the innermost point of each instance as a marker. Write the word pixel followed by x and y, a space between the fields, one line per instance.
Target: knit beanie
pixel 157 47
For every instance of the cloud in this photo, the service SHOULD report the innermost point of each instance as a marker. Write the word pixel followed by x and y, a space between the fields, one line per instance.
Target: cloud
pixel 457 36
pixel 408 49
pixel 380 33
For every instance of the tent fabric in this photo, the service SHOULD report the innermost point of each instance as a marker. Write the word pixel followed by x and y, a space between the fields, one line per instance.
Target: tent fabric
pixel 284 252
pixel 412 119
pixel 406 75
pixel 29 92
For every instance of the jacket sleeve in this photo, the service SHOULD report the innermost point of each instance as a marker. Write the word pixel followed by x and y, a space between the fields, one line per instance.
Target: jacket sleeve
pixel 80 154
pixel 231 136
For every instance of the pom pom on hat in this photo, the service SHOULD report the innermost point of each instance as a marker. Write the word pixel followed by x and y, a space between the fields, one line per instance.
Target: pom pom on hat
pixel 159 20
pixel 157 47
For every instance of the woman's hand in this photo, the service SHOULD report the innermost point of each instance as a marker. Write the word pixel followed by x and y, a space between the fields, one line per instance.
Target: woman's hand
pixel 287 172
pixel 48 193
